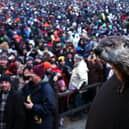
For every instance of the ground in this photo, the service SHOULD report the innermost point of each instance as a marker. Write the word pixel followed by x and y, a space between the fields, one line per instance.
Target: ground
pixel 78 124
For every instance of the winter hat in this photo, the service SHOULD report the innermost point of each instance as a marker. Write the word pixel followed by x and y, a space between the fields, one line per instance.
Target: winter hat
pixel 47 65
pixel 56 70
pixel 61 58
pixel 39 70
pixel 29 58
pixel 61 83
pixel 77 56
pixel 12 67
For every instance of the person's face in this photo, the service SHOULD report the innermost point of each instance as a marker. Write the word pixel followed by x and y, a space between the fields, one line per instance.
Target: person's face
pixel 24 51
pixel 38 60
pixel 32 77
pixel 40 44
pixel 29 62
pixel 3 63
pixel 20 71
pixel 53 59
pixel 62 62
pixel 49 70
pixel 76 60
pixel 30 46
pixel 5 86
pixel 69 56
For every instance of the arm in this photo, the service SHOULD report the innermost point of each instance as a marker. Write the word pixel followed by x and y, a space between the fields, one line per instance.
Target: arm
pixel 83 73
pixel 49 101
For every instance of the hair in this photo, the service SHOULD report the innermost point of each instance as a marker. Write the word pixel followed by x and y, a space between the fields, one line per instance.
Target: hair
pixel 6 78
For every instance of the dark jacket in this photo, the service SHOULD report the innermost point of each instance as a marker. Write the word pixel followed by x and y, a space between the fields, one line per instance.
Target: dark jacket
pixel 14 111
pixel 43 97
pixel 110 109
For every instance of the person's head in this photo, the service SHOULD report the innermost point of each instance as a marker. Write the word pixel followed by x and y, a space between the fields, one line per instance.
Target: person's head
pixel 34 52
pixel 3 61
pixel 12 57
pixel 5 83
pixel 53 59
pixel 77 58
pixel 20 70
pixel 69 56
pixel 48 67
pixel 29 60
pixel 38 60
pixel 34 74
pixel 61 60
pixel 24 51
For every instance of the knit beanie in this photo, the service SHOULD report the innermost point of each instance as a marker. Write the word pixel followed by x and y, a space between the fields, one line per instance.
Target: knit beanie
pixel 47 65
pixel 39 70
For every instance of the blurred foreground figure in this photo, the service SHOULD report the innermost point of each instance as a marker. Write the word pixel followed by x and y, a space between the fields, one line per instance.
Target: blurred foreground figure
pixel 110 109
pixel 12 113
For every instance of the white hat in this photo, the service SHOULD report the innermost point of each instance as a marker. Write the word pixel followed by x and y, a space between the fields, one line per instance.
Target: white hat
pixel 76 56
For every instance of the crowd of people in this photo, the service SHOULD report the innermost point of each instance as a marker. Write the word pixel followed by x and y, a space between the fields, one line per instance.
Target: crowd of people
pixel 51 44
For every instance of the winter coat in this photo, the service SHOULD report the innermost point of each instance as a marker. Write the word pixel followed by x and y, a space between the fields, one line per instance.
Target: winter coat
pixel 42 115
pixel 14 111
pixel 79 75
pixel 110 109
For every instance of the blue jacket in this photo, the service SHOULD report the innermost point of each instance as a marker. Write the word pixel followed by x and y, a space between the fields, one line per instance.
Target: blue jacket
pixel 43 113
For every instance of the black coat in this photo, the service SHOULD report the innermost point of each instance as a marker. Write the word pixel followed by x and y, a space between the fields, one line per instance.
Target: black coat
pixel 45 106
pixel 110 109
pixel 14 111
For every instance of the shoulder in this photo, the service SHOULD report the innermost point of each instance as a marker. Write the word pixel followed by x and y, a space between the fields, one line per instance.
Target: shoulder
pixel 16 96
pixel 83 65
pixel 45 85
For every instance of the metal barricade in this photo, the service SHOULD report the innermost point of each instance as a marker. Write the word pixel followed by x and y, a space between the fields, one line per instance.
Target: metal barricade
pixel 70 92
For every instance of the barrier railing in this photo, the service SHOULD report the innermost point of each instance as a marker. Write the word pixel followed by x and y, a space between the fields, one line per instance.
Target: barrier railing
pixel 70 92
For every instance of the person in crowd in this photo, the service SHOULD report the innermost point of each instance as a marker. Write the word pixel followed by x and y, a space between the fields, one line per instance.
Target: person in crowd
pixel 96 69
pixel 96 74
pixel 39 31
pixel 79 79
pixel 69 60
pixel 79 75
pixel 12 111
pixel 40 100
pixel 3 63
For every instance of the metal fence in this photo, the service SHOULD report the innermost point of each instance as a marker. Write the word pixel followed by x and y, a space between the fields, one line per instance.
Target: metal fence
pixel 82 107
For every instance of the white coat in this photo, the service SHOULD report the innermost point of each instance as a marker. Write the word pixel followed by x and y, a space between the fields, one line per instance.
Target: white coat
pixel 79 75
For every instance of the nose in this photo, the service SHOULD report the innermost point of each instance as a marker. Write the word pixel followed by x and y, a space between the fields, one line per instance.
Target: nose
pixel 98 50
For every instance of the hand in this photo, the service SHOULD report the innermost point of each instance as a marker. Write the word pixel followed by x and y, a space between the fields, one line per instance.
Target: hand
pixel 55 78
pixel 29 105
